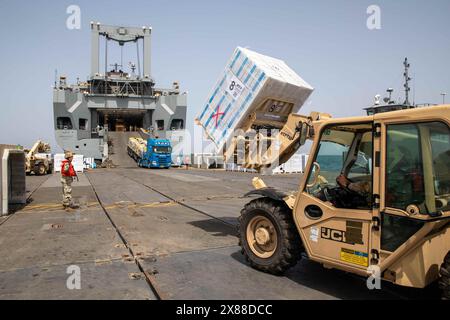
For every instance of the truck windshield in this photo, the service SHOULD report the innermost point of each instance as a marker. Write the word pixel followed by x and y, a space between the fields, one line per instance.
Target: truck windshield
pixel 418 166
pixel 162 149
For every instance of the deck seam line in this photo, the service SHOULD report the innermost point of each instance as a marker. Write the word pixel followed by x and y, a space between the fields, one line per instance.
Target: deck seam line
pixel 205 249
pixel 151 282
pixel 58 265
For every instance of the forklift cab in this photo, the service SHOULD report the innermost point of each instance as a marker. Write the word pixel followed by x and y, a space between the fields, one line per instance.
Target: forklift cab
pixel 401 165
pixel 344 150
pixel 392 221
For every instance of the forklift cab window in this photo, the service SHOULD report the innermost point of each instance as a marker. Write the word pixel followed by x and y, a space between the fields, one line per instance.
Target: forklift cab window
pixel 418 167
pixel 417 177
pixel 344 155
pixel 362 166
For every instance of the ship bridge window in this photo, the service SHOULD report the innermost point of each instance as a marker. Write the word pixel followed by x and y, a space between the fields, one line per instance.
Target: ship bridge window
pixel 177 124
pixel 160 124
pixel 82 124
pixel 63 123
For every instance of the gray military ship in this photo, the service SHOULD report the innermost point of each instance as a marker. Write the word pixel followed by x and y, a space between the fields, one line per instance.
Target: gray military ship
pixel 113 102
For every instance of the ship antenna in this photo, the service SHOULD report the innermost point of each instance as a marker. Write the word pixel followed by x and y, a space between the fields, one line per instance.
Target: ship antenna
pixel 407 79
pixel 121 55
pixel 56 76
pixel 138 58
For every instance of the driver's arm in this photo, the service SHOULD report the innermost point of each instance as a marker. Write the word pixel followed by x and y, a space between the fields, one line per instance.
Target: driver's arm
pixel 362 187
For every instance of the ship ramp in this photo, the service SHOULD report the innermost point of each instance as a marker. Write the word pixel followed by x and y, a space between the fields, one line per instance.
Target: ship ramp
pixel 118 148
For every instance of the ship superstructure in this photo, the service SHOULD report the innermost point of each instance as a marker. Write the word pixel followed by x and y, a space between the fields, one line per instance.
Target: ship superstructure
pixel 115 100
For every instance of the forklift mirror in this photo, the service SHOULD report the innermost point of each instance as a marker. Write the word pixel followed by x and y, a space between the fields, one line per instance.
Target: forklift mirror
pixel 303 133
pixel 316 168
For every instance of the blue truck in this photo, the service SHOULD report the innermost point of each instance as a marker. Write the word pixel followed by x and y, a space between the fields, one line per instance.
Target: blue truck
pixel 156 154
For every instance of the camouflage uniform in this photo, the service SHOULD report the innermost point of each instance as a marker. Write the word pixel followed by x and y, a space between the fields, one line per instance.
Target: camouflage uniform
pixel 67 190
pixel 67 175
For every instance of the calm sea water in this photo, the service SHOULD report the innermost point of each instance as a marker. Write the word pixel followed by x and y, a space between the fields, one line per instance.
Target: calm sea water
pixel 330 163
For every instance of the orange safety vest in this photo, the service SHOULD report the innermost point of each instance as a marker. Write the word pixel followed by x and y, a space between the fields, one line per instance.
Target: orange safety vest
pixel 67 171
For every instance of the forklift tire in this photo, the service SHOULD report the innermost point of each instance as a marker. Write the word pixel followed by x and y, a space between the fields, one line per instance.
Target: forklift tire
pixel 40 170
pixel 444 281
pixel 268 236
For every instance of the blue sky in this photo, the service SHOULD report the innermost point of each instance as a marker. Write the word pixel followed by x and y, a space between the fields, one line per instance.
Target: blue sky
pixel 326 42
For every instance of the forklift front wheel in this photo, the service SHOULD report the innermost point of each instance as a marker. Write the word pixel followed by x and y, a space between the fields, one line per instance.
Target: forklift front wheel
pixel 40 170
pixel 268 236
pixel 444 281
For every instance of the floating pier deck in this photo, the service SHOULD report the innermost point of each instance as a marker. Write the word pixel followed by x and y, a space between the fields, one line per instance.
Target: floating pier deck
pixel 153 234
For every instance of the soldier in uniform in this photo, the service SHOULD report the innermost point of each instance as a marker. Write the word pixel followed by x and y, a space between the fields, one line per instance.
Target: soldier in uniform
pixel 67 175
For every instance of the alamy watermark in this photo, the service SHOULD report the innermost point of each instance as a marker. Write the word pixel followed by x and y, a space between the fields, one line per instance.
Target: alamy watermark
pixel 73 282
pixel 73 21
pixel 374 280
pixel 374 19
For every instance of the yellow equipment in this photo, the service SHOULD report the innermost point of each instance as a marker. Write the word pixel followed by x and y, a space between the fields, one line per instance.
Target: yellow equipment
pixel 38 159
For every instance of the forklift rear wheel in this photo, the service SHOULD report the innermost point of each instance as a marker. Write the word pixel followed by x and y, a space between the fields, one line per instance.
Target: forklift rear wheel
pixel 268 236
pixel 40 170
pixel 444 281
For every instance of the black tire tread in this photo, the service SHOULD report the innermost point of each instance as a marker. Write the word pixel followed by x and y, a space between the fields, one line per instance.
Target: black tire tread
pixel 291 247
pixel 444 281
pixel 37 169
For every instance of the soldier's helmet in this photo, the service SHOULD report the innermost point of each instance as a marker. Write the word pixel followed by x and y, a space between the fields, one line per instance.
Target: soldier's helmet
pixel 68 154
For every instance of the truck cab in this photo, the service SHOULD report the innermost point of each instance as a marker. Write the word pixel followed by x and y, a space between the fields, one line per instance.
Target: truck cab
pixel 157 155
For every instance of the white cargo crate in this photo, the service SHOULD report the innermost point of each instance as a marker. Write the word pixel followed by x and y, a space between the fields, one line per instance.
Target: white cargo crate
pixel 249 80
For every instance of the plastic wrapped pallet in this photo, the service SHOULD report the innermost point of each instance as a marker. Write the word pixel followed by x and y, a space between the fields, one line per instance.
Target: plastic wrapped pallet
pixel 138 146
pixel 251 84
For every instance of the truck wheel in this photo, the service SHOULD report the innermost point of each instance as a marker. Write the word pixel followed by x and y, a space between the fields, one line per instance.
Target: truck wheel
pixel 444 281
pixel 268 236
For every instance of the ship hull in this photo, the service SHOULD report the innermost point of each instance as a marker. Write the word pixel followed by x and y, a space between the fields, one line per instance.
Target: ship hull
pixel 82 121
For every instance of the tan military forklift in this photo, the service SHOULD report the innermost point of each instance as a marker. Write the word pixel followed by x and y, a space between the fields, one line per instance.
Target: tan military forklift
pixel 38 159
pixel 375 193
